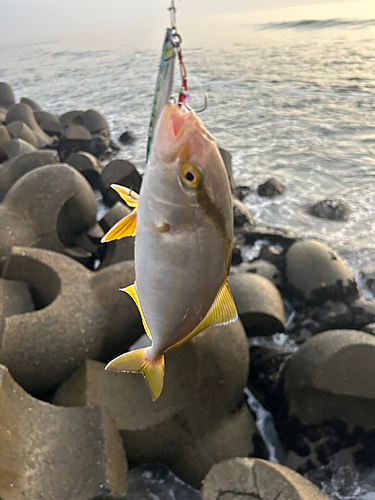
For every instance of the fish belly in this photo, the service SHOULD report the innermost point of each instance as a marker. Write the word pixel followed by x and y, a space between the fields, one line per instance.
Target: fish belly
pixel 178 275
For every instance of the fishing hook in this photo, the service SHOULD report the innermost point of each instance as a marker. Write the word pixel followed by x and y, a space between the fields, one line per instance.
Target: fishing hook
pixel 189 108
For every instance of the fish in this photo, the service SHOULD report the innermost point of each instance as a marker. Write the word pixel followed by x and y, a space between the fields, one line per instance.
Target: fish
pixel 183 222
pixel 164 84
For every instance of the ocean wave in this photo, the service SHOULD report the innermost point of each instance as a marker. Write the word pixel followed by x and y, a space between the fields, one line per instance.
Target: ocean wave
pixel 315 24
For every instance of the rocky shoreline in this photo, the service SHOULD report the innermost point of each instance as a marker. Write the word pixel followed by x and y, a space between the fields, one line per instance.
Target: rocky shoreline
pixel 70 430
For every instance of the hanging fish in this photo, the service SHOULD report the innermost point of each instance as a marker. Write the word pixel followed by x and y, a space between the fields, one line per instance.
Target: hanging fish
pixel 183 221
pixel 164 82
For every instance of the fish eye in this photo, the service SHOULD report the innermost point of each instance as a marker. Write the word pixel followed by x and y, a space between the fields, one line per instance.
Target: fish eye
pixel 191 175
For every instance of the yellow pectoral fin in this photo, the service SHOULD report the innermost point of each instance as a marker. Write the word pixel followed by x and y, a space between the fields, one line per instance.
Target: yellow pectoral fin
pixel 130 197
pixel 136 361
pixel 131 290
pixel 125 227
pixel 222 312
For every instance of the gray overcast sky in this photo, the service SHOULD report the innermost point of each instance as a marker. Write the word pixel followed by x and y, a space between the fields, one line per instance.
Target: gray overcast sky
pixel 38 20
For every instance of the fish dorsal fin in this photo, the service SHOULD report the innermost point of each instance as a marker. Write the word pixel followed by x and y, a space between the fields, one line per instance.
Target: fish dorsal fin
pixel 125 227
pixel 130 197
pixel 222 312
pixel 131 290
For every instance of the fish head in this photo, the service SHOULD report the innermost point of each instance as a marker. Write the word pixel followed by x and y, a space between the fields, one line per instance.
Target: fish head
pixel 190 166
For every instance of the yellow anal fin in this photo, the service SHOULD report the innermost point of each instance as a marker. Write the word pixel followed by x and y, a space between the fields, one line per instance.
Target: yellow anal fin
pixel 222 312
pixel 125 227
pixel 137 361
pixel 129 196
pixel 131 290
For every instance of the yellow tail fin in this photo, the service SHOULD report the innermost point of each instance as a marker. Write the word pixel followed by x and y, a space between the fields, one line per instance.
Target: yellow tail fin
pixel 136 361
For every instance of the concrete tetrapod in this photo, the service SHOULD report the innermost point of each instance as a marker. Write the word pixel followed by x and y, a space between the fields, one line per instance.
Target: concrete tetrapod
pixel 13 170
pixel 79 314
pixel 253 478
pixel 200 417
pixel 53 453
pixel 119 172
pixel 48 208
pixel 318 273
pixel 24 113
pixel 259 304
pixel 117 250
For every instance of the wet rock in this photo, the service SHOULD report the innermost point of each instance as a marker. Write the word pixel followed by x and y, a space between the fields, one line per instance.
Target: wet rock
pixel 95 123
pixel 271 188
pixel 270 253
pixel 119 172
pixel 23 113
pixel 318 273
pixel 227 159
pixel 33 105
pixel 19 130
pixel 240 478
pixel 67 118
pixel 272 235
pixel 17 147
pixel 157 482
pixel 328 374
pixel 259 304
pixel 100 146
pixel 127 137
pixel 6 96
pixel 118 250
pixel 88 165
pixel 241 192
pixel 48 208
pixel 79 314
pixel 49 452
pixel 199 418
pixel 261 267
pixel 367 274
pixel 331 209
pixel 16 168
pixel 241 214
pixel 236 255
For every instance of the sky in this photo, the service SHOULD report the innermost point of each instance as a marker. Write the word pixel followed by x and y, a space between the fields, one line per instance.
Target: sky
pixel 30 21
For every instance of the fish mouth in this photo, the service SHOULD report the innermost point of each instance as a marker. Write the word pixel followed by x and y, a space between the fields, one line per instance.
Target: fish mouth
pixel 176 130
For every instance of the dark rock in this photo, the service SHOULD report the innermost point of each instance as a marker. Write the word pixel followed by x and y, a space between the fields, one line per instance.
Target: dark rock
pixel 270 253
pixel 331 209
pixel 119 172
pixel 227 159
pixel 79 314
pixel 118 250
pixel 16 168
pixel 272 235
pixel 318 273
pixel 241 192
pixel 236 256
pixel 271 188
pixel 241 214
pixel 48 452
pixel 6 96
pixel 67 118
pixel 33 105
pixel 19 130
pixel 95 123
pixel 17 147
pixel 199 417
pixel 261 267
pixel 48 208
pixel 88 165
pixel 127 137
pixel 252 478
pixel 100 146
pixel 367 274
pixel 259 304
